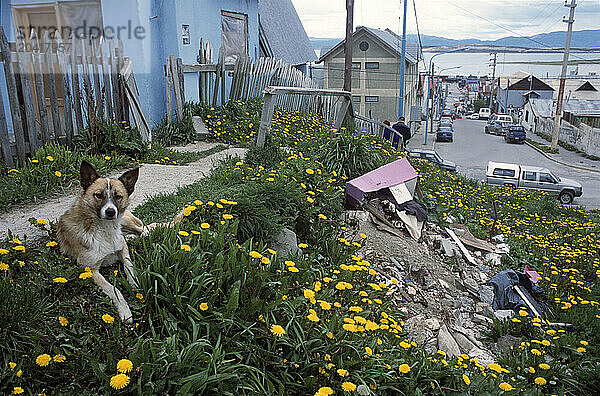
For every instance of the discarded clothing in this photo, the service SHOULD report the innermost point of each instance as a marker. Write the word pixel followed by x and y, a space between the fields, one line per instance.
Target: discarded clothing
pixel 413 208
pixel 505 297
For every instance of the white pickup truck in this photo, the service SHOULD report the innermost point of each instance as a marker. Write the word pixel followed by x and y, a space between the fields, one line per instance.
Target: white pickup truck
pixel 533 178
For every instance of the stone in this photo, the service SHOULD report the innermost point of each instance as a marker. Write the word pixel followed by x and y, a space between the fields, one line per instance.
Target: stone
pixel 494 259
pixel 486 294
pixel 286 244
pixel 471 285
pixel 503 248
pixel 415 328
pixel 444 284
pixel 506 343
pixel 411 291
pixel 466 303
pixel 431 346
pixel 447 343
pixel 484 320
pixel 450 248
pixel 504 314
pixel 483 357
pixel 498 238
pixel 356 215
pixel 432 324
pixel 484 309
pixel 463 342
pixel 199 126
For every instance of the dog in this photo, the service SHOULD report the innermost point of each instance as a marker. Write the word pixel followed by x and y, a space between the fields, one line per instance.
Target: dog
pixel 93 229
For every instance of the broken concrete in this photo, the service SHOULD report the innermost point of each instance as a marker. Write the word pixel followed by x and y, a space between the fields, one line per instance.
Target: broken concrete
pixel 447 343
pixel 504 314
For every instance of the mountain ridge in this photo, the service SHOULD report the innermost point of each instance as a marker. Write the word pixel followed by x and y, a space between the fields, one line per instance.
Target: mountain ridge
pixel 589 38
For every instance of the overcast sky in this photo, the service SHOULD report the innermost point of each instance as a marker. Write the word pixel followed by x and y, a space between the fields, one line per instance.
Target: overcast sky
pixel 449 18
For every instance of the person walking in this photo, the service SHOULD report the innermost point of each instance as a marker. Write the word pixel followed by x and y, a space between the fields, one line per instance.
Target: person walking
pixel 403 130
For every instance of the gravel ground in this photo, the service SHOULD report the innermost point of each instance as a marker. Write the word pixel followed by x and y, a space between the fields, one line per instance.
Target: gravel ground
pixel 154 179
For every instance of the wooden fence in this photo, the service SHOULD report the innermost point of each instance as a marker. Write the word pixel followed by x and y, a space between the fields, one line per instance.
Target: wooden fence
pixel 55 87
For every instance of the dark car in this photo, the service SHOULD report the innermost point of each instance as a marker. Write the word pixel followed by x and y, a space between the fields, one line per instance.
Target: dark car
pixel 432 157
pixel 445 134
pixel 515 133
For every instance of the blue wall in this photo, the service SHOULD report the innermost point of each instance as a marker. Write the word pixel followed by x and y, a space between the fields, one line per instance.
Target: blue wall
pixel 161 21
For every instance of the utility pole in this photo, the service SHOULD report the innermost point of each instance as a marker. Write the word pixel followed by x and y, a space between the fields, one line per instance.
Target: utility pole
pixel 561 88
pixel 402 64
pixel 348 45
pixel 493 82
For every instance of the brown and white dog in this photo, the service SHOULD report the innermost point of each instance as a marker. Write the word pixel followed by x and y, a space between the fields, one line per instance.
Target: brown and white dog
pixel 92 229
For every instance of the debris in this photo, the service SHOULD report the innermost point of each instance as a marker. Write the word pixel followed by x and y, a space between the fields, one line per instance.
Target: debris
pixel 504 314
pixel 464 234
pixel 447 343
pixel 471 285
pixel 486 294
pixel 494 258
pixel 507 342
pixel 507 297
pixel 449 247
pixel 498 238
pixel 432 324
pixel 484 320
pixel 483 357
pixel 412 223
pixel 533 275
pixel 503 248
pixel 415 328
pixel 484 309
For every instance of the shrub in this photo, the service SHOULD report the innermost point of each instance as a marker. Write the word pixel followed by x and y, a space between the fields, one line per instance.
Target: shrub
pixel 177 131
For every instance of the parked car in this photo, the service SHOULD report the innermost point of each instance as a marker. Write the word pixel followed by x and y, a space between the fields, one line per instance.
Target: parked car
pixel 445 134
pixel 473 116
pixel 497 127
pixel 444 123
pixel 484 113
pixel 433 157
pixel 446 119
pixel 533 178
pixel 515 133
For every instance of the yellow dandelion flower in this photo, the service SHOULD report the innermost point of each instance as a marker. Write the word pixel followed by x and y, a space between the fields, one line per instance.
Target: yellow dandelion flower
pixel 204 306
pixel 59 358
pixel 348 386
pixel 302 245
pixel 183 233
pixel 227 216
pixel 205 226
pixel 119 381
pixel 107 318
pixel 4 266
pixel 342 372
pixel 541 381
pixel 404 368
pixel 124 366
pixel 43 360
pixel 63 321
pixel 277 330
pixel 42 221
pixel 57 174
pixel 466 379
pixel 60 280
pixel 506 386
pixel 185 247
pixel 17 390
pixel 255 254
pixel 293 269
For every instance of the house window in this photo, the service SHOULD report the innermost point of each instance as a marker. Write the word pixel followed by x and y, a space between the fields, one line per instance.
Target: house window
pixel 371 65
pixel 356 99
pixel 234 36
pixel 356 65
pixel 526 115
pixel 371 99
pixel 363 46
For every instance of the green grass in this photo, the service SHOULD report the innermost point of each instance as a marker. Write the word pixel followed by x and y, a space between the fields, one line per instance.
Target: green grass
pixel 543 147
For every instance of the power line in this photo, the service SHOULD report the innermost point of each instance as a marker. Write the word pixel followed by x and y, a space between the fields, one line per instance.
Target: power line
pixel 419 36
pixel 502 27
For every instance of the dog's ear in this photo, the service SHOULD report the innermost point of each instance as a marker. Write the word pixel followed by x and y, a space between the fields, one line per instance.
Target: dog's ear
pixel 87 175
pixel 129 179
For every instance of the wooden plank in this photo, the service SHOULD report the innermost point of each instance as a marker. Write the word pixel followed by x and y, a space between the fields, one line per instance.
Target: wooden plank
pixel 181 80
pixel 106 86
pixel 27 92
pixel 77 98
pixel 122 94
pixel 13 100
pixel 217 81
pixel 4 139
pixel 63 62
pixel 114 79
pixel 169 86
pixel 52 90
pixel 266 119
pixel 38 75
pixel 462 247
pixel 339 119
pixel 94 61
pixel 87 83
pixel 175 79
pixel 131 91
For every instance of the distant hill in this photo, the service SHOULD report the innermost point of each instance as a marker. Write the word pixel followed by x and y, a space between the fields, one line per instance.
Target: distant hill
pixel 580 39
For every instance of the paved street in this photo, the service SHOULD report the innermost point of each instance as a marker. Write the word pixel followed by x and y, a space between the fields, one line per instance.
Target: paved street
pixel 472 149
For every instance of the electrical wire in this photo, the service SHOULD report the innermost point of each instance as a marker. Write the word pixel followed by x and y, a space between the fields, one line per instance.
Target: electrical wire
pixel 502 27
pixel 419 36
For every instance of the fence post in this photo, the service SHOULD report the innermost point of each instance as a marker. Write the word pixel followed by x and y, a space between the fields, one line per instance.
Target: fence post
pixel 266 118
pixel 76 86
pixel 27 91
pixel 4 140
pixel 169 89
pixel 63 60
pixel 52 88
pixel 11 86
pixel 38 74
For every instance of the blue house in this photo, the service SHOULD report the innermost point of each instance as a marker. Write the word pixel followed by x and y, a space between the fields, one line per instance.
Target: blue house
pixel 152 30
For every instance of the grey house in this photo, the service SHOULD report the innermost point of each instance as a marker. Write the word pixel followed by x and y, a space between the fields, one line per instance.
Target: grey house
pixel 514 93
pixel 376 57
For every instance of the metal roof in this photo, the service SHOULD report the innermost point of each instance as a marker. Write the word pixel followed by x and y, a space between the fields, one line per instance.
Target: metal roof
pixel 388 38
pixel 282 33
pixel 583 107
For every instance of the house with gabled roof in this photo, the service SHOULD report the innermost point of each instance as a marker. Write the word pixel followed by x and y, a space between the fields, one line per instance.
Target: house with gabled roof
pixel 376 60
pixel 514 91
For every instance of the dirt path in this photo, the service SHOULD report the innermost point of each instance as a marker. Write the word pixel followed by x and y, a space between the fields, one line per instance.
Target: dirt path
pixel 154 179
